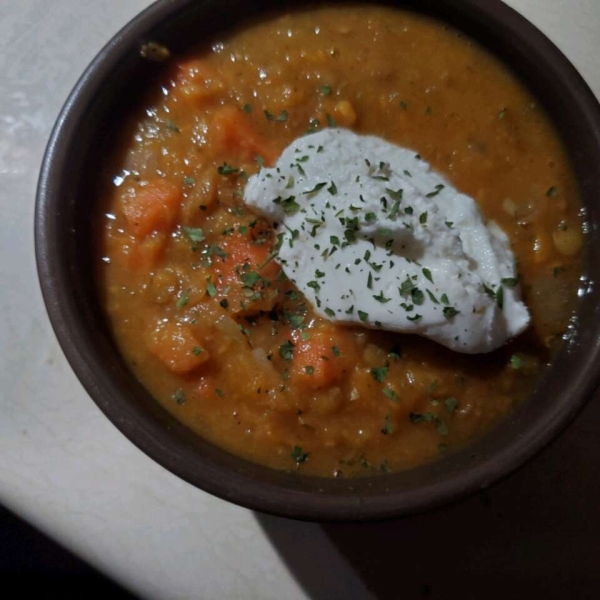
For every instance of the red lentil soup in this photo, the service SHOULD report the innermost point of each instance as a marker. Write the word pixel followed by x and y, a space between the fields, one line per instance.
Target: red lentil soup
pixel 205 317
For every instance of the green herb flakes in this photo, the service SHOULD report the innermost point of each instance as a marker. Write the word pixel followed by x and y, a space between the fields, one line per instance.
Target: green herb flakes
pixel 427 274
pixel 516 362
pixel 195 234
pixel 286 350
pixel 281 118
pixel 211 289
pixel 450 311
pixel 298 456
pixel 451 404
pixel 183 300
pixel 226 169
pixel 391 394
pixel 388 426
pixel 379 373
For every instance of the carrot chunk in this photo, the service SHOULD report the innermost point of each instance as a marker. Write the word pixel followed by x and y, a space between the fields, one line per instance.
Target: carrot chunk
pixel 153 207
pixel 234 136
pixel 144 255
pixel 242 250
pixel 178 347
pixel 317 361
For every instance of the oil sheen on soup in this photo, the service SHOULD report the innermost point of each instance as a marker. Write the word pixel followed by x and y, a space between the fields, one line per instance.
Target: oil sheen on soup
pixel 199 304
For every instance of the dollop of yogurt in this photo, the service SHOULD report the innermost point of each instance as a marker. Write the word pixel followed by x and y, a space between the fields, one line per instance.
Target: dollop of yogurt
pixel 373 236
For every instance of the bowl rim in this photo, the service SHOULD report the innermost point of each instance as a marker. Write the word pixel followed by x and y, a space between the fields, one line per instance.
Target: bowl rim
pixel 236 487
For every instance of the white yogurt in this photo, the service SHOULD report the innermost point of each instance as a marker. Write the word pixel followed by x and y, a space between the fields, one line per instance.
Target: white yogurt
pixel 371 235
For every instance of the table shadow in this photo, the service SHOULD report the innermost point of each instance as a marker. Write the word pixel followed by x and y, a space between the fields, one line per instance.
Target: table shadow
pixel 534 535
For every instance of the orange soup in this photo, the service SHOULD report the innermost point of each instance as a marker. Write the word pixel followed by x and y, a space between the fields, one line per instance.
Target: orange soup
pixel 201 308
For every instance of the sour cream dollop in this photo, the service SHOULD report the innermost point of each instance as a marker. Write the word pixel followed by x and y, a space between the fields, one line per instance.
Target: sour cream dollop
pixel 373 236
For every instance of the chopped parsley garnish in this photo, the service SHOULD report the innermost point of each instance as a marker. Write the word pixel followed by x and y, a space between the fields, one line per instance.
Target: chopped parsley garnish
pixel 423 218
pixel 552 192
pixel 247 108
pixel 286 350
pixel 351 227
pixel 432 297
pixel 500 297
pixel 226 169
pixel 172 126
pixel 298 456
pixel 417 296
pixel 489 291
pixel 197 351
pixel 195 234
pixel 509 282
pixel 179 396
pixel 219 392
pixel 428 417
pixel 309 370
pixel 415 318
pixel 250 279
pixel 516 362
pixel 313 125
pixel 189 181
pixel 438 189
pixel 329 312
pixel 289 205
pixel 363 316
pixel 379 373
pixel 388 427
pixel 421 417
pixel 370 217
pixel 407 287
pixel 211 290
pixel 444 299
pixel 451 404
pixel 394 210
pixel 326 90
pixel 381 298
pixel 183 300
pixel 332 189
pixel 336 351
pixel 450 311
pixel 403 105
pixel 331 121
pixel 427 274
pixel 281 118
pixel 317 187
pixel 391 394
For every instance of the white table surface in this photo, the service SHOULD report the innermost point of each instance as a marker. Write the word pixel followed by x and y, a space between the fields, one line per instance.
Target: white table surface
pixel 67 470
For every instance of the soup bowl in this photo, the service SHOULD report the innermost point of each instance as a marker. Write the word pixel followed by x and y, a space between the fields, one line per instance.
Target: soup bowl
pixel 64 223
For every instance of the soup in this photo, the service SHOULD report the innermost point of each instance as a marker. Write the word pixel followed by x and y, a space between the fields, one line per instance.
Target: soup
pixel 198 303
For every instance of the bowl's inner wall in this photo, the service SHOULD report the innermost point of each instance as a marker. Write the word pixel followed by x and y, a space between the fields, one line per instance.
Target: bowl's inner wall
pixel 118 87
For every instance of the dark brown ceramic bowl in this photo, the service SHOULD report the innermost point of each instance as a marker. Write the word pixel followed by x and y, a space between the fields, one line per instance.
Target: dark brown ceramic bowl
pixel 63 228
